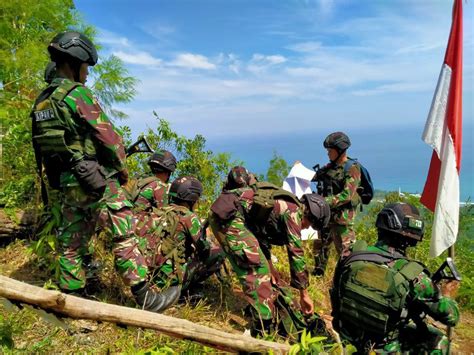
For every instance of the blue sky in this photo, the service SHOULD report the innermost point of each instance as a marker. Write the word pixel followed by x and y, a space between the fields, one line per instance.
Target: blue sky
pixel 273 68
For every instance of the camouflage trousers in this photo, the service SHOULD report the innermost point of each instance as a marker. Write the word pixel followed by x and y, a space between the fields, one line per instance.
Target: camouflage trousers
pixel 82 214
pixel 343 236
pixel 249 263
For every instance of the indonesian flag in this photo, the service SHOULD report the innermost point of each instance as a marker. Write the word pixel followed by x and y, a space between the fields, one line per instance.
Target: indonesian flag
pixel 443 132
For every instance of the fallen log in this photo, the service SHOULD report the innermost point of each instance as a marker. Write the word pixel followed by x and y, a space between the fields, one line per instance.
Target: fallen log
pixel 76 307
pixel 21 224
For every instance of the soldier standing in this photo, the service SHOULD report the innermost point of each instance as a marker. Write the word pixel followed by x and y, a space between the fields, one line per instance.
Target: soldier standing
pixel 380 297
pixel 84 158
pixel 247 240
pixel 178 254
pixel 339 187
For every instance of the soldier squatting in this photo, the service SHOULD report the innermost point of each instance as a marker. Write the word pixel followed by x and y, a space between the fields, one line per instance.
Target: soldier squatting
pixel 379 297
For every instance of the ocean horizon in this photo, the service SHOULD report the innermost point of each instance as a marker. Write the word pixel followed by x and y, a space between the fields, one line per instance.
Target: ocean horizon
pixel 396 158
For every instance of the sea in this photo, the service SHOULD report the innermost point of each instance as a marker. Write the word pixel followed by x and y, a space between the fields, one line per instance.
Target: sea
pixel 397 158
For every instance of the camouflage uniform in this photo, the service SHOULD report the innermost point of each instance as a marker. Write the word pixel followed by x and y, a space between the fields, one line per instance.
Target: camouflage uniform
pixel 153 194
pixel 423 297
pixel 90 135
pixel 343 203
pixel 182 256
pixel 249 255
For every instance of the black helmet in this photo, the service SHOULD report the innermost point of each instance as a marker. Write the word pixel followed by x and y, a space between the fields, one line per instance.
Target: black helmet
pixel 74 44
pixel 50 72
pixel 186 188
pixel 238 177
pixel 337 140
pixel 162 160
pixel 319 211
pixel 403 219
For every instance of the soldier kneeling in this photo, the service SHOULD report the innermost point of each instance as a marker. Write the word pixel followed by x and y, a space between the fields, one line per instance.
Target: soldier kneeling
pixel 380 297
pixel 177 252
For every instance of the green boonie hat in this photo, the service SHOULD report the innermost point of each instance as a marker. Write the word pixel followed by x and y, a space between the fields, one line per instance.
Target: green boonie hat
pixel 75 45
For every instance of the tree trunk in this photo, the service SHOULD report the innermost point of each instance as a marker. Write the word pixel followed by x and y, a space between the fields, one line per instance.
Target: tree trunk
pixel 76 307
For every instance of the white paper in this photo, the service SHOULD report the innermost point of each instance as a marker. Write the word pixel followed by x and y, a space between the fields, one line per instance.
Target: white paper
pixel 298 182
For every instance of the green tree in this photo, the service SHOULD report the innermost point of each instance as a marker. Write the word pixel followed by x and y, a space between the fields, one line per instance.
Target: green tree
pixel 193 159
pixel 26 27
pixel 277 170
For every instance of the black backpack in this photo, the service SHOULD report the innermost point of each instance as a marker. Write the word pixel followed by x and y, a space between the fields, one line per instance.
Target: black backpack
pixel 366 190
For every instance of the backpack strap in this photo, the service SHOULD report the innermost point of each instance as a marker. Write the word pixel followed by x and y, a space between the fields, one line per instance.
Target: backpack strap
pixel 349 163
pixel 142 182
pixel 64 89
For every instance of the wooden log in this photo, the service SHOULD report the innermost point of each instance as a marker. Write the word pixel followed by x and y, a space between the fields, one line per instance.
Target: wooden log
pixel 76 307
pixel 21 225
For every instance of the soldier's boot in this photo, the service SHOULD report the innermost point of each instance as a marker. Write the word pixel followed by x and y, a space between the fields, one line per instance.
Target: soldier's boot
pixel 153 301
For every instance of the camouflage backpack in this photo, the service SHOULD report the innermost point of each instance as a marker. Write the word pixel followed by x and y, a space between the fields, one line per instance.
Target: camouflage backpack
pixel 134 186
pixel 265 194
pixel 163 244
pixel 369 292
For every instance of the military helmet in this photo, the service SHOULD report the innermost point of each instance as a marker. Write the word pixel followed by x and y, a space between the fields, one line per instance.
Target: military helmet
pixel 403 219
pixel 238 177
pixel 50 72
pixel 319 211
pixel 186 188
pixel 162 160
pixel 74 44
pixel 337 140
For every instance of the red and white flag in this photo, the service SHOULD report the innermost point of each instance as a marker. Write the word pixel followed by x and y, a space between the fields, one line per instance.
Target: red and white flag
pixel 443 132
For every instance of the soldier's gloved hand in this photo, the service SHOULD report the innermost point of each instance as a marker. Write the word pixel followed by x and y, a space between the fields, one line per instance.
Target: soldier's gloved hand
pixel 123 176
pixel 306 303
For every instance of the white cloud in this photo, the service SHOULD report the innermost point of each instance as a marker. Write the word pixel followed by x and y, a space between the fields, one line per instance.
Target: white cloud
pixel 138 58
pixel 112 39
pixel 193 61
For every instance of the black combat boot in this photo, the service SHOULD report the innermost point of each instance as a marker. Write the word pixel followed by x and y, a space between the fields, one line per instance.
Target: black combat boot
pixel 153 301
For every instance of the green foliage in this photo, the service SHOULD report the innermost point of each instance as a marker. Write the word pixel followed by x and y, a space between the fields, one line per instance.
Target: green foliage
pixel 315 345
pixel 277 170
pixel 26 28
pixel 193 159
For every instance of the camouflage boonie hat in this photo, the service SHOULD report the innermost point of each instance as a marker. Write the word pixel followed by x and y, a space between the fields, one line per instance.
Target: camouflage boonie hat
pixel 238 177
pixel 186 188
pixel 337 140
pixel 163 160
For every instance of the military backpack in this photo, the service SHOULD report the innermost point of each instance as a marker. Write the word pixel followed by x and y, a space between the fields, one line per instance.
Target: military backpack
pixel 366 189
pixel 134 186
pixel 370 291
pixel 163 243
pixel 265 194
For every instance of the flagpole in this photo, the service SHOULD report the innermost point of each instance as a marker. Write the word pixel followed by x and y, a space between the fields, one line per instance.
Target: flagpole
pixel 450 329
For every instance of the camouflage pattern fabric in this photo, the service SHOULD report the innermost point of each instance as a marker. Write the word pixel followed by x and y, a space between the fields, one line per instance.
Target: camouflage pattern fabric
pixel 248 250
pixel 423 298
pixel 343 212
pixel 83 211
pixel 193 257
pixel 153 194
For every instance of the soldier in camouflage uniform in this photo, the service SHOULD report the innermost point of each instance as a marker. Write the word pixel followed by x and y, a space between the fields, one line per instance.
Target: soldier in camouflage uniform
pixel 380 297
pixel 178 254
pixel 339 187
pixel 83 156
pixel 247 243
pixel 153 190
